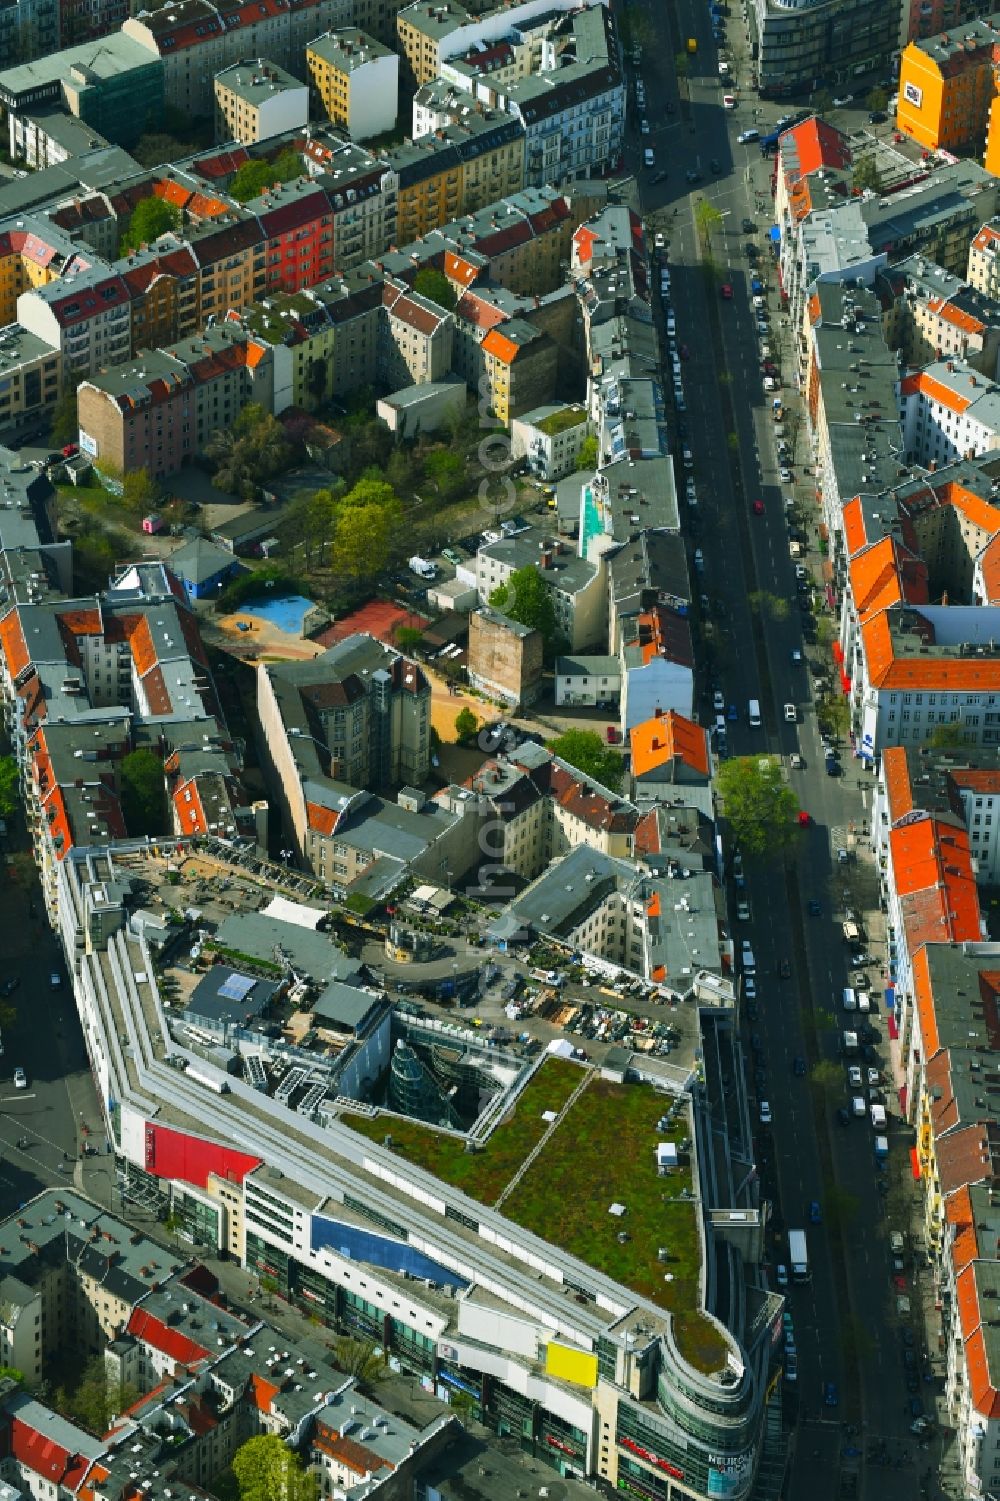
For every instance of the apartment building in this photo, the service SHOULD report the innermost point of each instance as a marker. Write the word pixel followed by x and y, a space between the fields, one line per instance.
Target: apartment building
pixel 255 99
pixel 112 85
pixel 296 223
pixel 578 586
pixel 368 708
pixel 946 88
pixel 355 80
pixel 668 751
pixel 421 30
pixel 30 379
pixel 459 169
pixel 930 314
pixel 505 658
pixel 834 40
pixel 158 411
pixel 657 666
pixel 415 346
pixel 165 295
pixel 230 252
pixel 949 411
pixel 983 269
pixel 86 315
pixel 850 394
pixel 925 18
pixel 196 39
pixel 550 438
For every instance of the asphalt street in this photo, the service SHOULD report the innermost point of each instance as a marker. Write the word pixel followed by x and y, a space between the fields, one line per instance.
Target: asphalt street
pixel 52 1114
pixel 846 1321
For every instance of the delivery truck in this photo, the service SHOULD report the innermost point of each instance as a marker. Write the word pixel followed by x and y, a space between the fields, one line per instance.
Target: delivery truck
pixel 798 1255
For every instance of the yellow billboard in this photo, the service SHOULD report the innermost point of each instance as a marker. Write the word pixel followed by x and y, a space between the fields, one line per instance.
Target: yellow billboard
pixel 570 1364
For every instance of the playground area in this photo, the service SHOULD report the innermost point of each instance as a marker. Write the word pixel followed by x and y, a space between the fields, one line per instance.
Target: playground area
pixel 379 618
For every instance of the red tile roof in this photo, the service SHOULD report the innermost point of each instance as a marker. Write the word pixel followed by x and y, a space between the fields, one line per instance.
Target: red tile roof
pixel 178 1347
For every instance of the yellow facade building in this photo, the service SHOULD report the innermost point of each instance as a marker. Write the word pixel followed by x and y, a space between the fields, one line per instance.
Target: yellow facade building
pixel 947 88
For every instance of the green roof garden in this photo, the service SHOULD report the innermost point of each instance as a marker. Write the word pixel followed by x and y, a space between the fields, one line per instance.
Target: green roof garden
pixel 561 421
pixel 601 1152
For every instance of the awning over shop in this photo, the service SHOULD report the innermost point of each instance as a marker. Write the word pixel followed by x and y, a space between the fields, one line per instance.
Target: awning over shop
pixel 893 1029
pixel 915 1164
pixel 776 236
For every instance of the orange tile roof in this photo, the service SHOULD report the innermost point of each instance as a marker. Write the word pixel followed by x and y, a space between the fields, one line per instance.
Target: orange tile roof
pixel 855 535
pixel 665 738
pixel 986 782
pixel 817 144
pixel 978 510
pixel 264 1392
pixel 141 644
pixel 13 644
pixel 874 579
pixel 478 311
pixel 585 239
pixel 502 348
pixel 923 998
pixel 989 565
pixel 934 390
pixel 321 820
pixel 934 879
pixel 985 1397
pixel 896 773
pixel 456 268
pixel 815 311
pixel 932 674
pixel 190 812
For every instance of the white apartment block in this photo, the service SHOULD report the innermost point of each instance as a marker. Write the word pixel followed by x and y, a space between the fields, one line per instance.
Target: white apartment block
pixel 948 411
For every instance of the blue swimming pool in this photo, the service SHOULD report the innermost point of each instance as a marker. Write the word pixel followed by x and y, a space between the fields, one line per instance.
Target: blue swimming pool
pixel 286 611
pixel 591 520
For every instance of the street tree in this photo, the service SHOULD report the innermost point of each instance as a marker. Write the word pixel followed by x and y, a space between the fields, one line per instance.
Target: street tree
pixel 760 809
pixel 878 99
pixel 833 715
pixel 9 786
pixel 466 725
pixel 585 750
pixel 827 1077
pixel 266 1469
pixel 769 606
pixel 359 1358
pixel 142 792
pixel 707 220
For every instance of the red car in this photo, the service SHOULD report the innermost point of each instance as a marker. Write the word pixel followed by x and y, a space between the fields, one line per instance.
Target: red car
pixel 727 292
pixel 71 450
pixel 758 508
pixel 804 818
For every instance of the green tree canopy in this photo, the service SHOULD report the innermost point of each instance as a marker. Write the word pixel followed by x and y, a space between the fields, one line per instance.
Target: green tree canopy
pixel 525 598
pixel 585 750
pixel 143 795
pixel 446 471
pixel 760 809
pixel 64 424
pixel 9 786
pixel 364 532
pixel 139 491
pixel 435 286
pixel 254 176
pixel 588 453
pixel 707 219
pixel 466 725
pixel 267 1470
pixel 409 638
pixel 878 99
pixel 151 218
pixel 865 174
pixel 251 451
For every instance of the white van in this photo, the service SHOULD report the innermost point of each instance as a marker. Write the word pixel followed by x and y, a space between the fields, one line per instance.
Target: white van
pixel 749 962
pixel 878 1117
pixel 858 1105
pixel 753 714
pixel 864 1001
pixel 648 159
pixel 848 999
